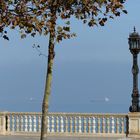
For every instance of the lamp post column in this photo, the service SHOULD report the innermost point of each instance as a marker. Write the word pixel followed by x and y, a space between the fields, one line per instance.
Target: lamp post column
pixel 134 47
pixel 134 115
pixel 135 94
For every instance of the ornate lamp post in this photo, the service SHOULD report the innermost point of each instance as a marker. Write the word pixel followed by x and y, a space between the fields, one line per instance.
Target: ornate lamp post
pixel 134 46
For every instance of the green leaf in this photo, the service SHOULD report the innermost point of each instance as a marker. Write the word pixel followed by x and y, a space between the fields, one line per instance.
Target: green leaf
pixel 68 22
pixel 66 29
pixel 73 35
pixel 59 29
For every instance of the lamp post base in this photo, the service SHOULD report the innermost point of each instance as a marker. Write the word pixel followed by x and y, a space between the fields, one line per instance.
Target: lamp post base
pixel 135 101
pixel 134 108
pixel 134 125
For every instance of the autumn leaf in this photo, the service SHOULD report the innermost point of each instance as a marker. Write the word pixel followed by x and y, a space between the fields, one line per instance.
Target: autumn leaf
pixel 33 34
pixel 41 16
pixel 101 22
pixel 23 36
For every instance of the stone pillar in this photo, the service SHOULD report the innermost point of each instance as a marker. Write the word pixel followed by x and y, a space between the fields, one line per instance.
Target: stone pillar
pixel 134 124
pixel 3 123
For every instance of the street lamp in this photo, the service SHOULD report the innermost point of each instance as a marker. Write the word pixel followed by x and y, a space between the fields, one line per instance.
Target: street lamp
pixel 134 47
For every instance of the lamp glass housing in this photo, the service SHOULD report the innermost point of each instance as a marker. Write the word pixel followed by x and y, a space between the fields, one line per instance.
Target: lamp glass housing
pixel 134 42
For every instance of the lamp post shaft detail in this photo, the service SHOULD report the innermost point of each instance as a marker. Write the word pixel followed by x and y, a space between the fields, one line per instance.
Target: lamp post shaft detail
pixel 135 71
pixel 135 93
pixel 134 46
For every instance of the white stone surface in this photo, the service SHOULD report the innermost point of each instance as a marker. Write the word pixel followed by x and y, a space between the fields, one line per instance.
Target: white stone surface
pixel 125 139
pixel 61 138
pixel 134 124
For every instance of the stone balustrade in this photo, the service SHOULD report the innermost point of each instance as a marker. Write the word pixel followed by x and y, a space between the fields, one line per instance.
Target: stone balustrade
pixel 66 124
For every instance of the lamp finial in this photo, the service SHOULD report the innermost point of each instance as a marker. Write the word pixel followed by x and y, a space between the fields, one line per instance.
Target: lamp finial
pixel 134 29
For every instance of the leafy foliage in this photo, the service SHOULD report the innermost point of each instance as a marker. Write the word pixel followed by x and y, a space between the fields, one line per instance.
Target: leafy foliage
pixel 40 16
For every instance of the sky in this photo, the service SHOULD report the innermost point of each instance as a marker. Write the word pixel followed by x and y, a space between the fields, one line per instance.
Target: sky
pixel 92 72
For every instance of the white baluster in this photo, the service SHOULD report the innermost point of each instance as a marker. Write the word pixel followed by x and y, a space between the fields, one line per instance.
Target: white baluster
pixel 113 124
pixel 117 125
pixel 66 119
pixel 30 123
pixel 26 123
pixel 104 125
pixel 85 125
pixel 89 125
pixel 39 123
pixel 13 123
pixel 52 129
pixel 21 123
pixel 48 124
pixel 62 124
pixel 99 124
pixel 108 125
pixel 8 123
pixel 57 124
pixel 75 124
pixel 122 125
pixel 17 123
pixel 94 125
pixel 34 123
pixel 80 125
pixel 71 125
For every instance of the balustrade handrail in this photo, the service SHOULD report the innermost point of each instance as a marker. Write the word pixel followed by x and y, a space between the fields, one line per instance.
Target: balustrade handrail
pixel 69 114
pixel 63 123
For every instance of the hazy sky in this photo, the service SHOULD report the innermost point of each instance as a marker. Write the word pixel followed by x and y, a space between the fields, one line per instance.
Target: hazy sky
pixel 92 73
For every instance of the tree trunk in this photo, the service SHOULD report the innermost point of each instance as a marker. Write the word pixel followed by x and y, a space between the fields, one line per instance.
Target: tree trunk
pixel 51 55
pixel 45 104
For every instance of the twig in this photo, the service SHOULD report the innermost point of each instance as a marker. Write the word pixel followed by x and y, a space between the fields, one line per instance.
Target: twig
pixel 38 50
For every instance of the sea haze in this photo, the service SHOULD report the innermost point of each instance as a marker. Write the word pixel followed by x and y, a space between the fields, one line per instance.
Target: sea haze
pixel 76 87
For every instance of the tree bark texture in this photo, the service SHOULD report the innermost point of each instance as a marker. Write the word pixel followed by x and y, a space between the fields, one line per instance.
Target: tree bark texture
pixel 45 104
